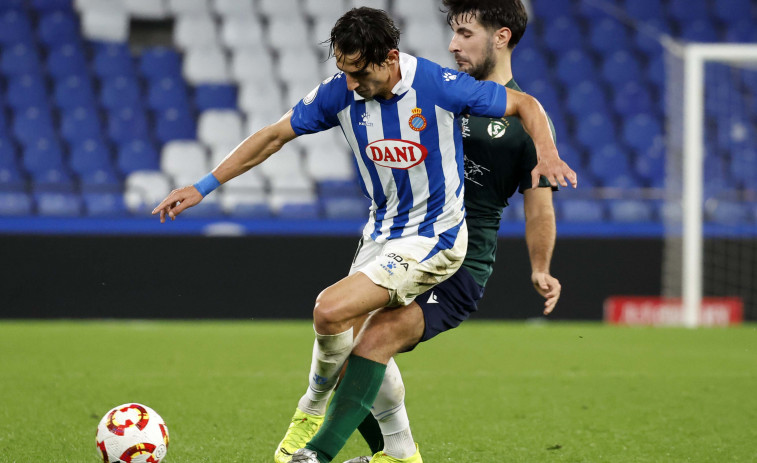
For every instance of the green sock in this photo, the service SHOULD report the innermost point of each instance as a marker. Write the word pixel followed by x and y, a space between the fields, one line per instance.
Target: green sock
pixel 371 432
pixel 349 407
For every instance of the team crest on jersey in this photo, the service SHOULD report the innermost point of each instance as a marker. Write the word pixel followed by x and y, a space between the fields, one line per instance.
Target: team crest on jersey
pixel 417 121
pixel 497 128
pixel 311 96
pixel 396 154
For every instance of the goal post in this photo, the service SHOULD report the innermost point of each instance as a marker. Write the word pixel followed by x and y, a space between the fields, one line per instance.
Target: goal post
pixel 688 62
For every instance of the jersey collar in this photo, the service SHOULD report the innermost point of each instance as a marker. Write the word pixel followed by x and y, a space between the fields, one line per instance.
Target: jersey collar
pixel 408 65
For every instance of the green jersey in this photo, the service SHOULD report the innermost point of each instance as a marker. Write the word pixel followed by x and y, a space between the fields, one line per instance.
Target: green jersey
pixel 499 158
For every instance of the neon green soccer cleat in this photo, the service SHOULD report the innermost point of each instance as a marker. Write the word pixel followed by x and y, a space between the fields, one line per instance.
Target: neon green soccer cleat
pixel 302 428
pixel 381 457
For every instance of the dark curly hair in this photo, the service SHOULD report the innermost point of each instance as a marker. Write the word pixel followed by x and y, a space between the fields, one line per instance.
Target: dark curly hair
pixel 369 32
pixel 492 14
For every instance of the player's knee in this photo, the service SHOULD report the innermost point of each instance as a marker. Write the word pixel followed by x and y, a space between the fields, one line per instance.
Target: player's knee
pixel 328 312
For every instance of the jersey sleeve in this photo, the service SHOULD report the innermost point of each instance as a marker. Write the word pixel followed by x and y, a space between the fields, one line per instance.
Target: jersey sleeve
pixel 318 110
pixel 474 97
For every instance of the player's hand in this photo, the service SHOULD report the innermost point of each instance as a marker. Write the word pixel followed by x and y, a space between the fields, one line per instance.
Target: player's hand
pixel 555 170
pixel 176 202
pixel 548 287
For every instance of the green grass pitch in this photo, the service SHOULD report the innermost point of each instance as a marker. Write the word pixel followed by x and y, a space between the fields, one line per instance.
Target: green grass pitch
pixel 486 392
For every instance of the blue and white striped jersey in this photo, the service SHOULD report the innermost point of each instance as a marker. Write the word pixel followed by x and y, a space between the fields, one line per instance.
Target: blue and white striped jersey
pixel 408 149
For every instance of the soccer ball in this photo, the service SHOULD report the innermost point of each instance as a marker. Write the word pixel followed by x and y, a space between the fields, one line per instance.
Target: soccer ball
pixel 132 433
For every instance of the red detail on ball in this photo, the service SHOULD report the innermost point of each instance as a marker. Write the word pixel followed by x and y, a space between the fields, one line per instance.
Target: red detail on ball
pixel 101 446
pixel 139 449
pixel 164 431
pixel 118 429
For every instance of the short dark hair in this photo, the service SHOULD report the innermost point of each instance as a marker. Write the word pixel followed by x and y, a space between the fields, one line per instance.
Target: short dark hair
pixel 369 32
pixel 493 14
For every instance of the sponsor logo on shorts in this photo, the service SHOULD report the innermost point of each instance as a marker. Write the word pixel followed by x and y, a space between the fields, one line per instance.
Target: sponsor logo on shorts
pixel 395 261
pixel 432 299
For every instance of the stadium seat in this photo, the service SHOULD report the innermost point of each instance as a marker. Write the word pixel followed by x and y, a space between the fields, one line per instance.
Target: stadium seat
pixel 126 124
pixel 42 154
pixel 644 10
pixel 733 11
pixel 185 160
pixel 641 132
pixel 631 99
pixel 112 60
pixel 107 22
pixel 608 36
pixel 12 179
pixel 90 155
pixel 275 9
pixel 551 9
pixel 104 205
pixel 280 35
pixel 53 180
pixel 79 124
pixel 727 212
pixel 59 204
pixel 581 210
pixel 286 162
pixel 42 6
pixel 529 64
pixel 159 62
pixel 196 30
pixel 26 90
pixel 66 60
pixel 545 91
pixel 587 97
pixel 233 9
pixel 298 211
pixel 648 38
pixel 700 30
pixel 742 31
pixel 630 210
pixel 327 10
pixel 345 208
pixel 241 32
pixel 621 67
pixel 609 160
pixel 14 203
pixel 58 26
pixel 8 156
pixel 188 7
pixel 655 70
pixel 73 91
pixel 167 92
pixel 562 34
pixel 15 27
pixel 242 206
pixel 595 130
pixel 119 91
pixel 205 65
pixel 216 127
pixel 20 58
pixel 145 189
pixel 743 165
pixel 251 184
pixel 174 124
pixel 103 180
pixel 210 207
pixel 687 10
pixel 299 67
pixel 137 155
pixel 650 166
pixel 575 65
pixel 253 65
pixel 32 124
pixel 215 96
pixel 329 163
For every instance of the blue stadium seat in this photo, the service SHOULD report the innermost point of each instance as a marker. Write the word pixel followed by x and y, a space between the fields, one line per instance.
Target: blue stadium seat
pixel 587 97
pixel 53 180
pixel 25 90
pixel 580 210
pixel 119 91
pixel 174 124
pixel 644 9
pixel 590 12
pixel 647 38
pixel 743 165
pixel 727 212
pixel 32 124
pixel 127 123
pixel 609 160
pixel 551 9
pixel 687 10
pixel 303 211
pixel 595 130
pixel 700 30
pixel 569 153
pixel 167 92
pixel 159 62
pixel 561 34
pixel 43 154
pixel 642 131
pixel 59 204
pixel 90 155
pixel 650 166
pixel 251 211
pixel 655 70
pixel 15 27
pixel 608 35
pixel 58 26
pixel 620 68
pixel 20 58
pixel 546 92
pixel 79 124
pixel 12 179
pixel 742 30
pixel 530 64
pixel 66 60
pixel 137 155
pixel 206 209
pixel 15 203
pixel 574 66
pixel 112 60
pixel 733 11
pixel 633 98
pixel 344 208
pixel 52 5
pixel 8 5
pixel 103 180
pixel 630 210
pixel 104 205
pixel 73 91
pixel 8 156
pixel 215 96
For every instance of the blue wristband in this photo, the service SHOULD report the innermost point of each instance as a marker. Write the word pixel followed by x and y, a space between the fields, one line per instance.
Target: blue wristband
pixel 207 184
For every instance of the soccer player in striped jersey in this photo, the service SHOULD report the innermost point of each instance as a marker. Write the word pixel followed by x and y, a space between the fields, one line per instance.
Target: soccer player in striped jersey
pixel 499 157
pixel 398 115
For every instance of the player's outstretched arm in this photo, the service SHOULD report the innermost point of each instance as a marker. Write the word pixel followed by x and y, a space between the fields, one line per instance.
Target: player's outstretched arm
pixel 540 239
pixel 252 151
pixel 536 124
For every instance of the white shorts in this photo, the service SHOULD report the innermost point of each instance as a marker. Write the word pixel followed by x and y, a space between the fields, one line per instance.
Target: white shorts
pixel 409 266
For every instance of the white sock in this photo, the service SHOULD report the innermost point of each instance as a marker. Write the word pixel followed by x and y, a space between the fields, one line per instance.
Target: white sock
pixel 389 410
pixel 329 354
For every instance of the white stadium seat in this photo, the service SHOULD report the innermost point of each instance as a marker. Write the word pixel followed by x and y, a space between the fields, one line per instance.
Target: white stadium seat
pixel 145 190
pixel 195 31
pixel 219 127
pixel 240 32
pixel 417 9
pixel 329 163
pixel 293 189
pixel 206 65
pixel 146 9
pixel 279 8
pixel 233 8
pixel 327 10
pixel 185 159
pixel 184 7
pixel 260 97
pixel 250 181
pixel 108 22
pixel 288 33
pixel 299 66
pixel 285 163
pixel 380 4
pixel 252 64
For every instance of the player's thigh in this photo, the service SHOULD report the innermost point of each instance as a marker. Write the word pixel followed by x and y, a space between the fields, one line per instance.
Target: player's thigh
pixel 389 331
pixel 349 298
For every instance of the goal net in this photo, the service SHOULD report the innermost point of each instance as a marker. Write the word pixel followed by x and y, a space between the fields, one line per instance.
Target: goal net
pixel 710 210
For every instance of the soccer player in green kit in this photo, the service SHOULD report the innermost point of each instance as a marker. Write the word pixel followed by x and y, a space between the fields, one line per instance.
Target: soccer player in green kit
pixel 499 159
